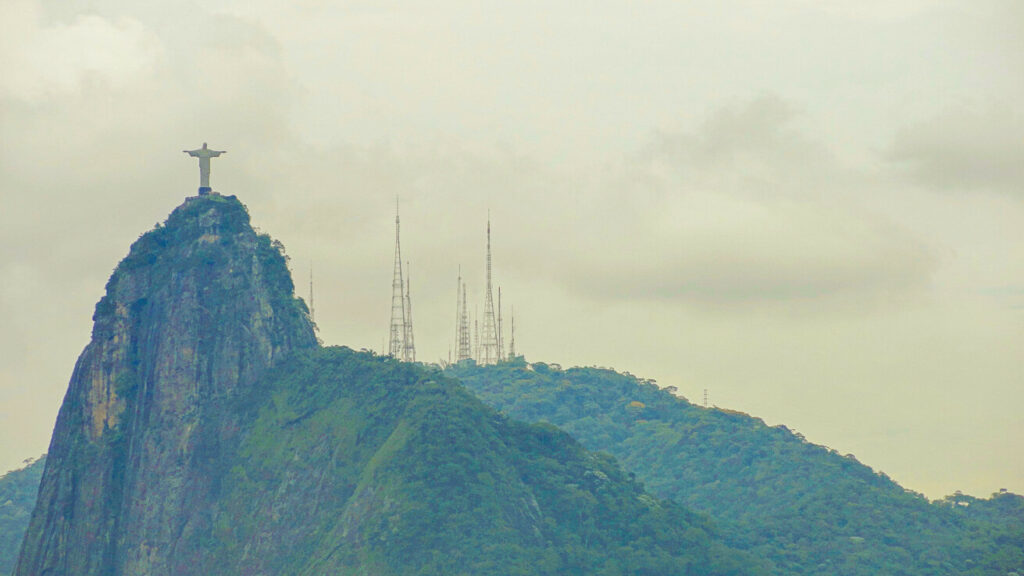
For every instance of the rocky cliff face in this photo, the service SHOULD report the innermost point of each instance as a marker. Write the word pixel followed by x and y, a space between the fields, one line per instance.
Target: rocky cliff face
pixel 199 309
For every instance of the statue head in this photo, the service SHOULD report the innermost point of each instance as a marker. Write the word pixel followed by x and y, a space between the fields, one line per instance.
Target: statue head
pixel 204 145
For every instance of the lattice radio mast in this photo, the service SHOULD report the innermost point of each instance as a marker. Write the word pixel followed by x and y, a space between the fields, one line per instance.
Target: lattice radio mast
pixel 489 338
pixel 512 341
pixel 409 344
pixel 476 334
pixel 396 340
pixel 464 349
pixel 501 330
pixel 458 314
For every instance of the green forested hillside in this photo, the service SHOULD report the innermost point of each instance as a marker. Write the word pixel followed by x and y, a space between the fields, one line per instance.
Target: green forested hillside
pixel 348 463
pixel 805 507
pixel 17 498
pixel 355 464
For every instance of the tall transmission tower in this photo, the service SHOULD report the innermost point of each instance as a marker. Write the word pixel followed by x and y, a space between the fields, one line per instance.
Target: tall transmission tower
pixel 409 344
pixel 396 339
pixel 458 313
pixel 512 342
pixel 463 346
pixel 501 330
pixel 489 337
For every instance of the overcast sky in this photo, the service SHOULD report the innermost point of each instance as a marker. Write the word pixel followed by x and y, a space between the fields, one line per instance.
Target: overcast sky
pixel 813 209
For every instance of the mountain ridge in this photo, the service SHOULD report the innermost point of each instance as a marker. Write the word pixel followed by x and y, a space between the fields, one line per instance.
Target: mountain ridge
pixel 206 431
pixel 445 471
pixel 806 507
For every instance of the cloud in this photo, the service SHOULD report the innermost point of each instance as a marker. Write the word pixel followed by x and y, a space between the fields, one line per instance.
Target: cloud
pixel 755 149
pixel 969 149
pixel 744 209
pixel 748 252
pixel 42 58
pixel 111 93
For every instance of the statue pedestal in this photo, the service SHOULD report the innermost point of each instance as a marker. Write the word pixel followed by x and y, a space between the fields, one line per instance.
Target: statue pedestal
pixel 204 190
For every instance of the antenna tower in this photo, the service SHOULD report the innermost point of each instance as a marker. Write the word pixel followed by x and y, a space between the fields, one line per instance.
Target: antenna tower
pixel 409 344
pixel 512 343
pixel 501 330
pixel 463 348
pixel 489 338
pixel 458 314
pixel 397 337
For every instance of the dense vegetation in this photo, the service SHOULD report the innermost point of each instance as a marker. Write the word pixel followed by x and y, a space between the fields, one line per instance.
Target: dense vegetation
pixel 202 235
pixel 352 463
pixel 805 507
pixel 17 498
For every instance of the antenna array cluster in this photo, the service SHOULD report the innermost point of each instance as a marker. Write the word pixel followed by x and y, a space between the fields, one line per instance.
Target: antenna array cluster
pixel 401 344
pixel 488 340
pixel 483 344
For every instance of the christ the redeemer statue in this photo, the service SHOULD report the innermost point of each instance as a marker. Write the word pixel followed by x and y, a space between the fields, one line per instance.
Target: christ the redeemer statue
pixel 204 154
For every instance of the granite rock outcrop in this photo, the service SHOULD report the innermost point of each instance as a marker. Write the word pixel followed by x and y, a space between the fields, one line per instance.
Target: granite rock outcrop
pixel 200 308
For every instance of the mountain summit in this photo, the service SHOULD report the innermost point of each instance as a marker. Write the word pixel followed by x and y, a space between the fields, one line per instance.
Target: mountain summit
pixel 196 313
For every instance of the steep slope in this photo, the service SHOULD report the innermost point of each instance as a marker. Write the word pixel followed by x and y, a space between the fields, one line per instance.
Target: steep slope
pixel 17 498
pixel 205 432
pixel 807 508
pixel 355 464
pixel 195 313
